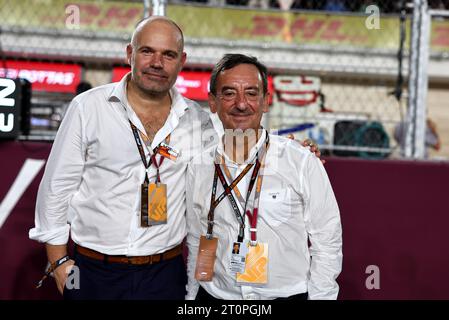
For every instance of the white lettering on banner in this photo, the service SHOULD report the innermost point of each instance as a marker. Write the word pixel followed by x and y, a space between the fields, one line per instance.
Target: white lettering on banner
pixel 10 87
pixel 49 77
pixel 181 81
pixel 27 173
pixel 183 84
pixel 7 119
pixel 41 76
pixel 8 125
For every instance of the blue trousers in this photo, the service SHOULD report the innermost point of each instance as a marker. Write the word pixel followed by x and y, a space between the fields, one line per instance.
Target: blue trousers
pixel 98 280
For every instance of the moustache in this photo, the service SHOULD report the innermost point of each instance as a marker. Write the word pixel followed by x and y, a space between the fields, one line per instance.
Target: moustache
pixel 238 112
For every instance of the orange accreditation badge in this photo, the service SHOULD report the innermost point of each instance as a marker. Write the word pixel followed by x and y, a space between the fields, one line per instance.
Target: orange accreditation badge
pixel 157 204
pixel 207 252
pixel 256 267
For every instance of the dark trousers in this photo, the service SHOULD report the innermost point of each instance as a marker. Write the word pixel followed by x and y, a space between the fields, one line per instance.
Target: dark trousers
pixel 100 280
pixel 204 296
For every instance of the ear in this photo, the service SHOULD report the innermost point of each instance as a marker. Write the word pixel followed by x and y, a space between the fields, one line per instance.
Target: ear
pixel 212 103
pixel 129 53
pixel 266 101
pixel 183 59
pixel 182 62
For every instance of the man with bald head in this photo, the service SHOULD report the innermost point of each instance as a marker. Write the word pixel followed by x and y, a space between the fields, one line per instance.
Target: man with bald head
pixel 115 179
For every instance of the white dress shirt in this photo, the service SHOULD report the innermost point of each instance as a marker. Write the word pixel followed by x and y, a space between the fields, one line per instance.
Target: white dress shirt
pixel 91 184
pixel 296 204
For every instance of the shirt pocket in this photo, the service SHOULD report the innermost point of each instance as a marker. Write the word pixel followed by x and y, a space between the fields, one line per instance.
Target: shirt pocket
pixel 275 206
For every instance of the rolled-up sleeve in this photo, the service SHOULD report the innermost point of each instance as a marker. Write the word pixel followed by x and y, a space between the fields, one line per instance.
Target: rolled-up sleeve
pixel 61 180
pixel 193 236
pixel 322 219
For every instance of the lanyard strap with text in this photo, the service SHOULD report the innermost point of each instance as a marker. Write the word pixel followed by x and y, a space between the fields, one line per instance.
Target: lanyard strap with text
pixel 153 156
pixel 233 186
pixel 238 215
pixel 227 192
pixel 252 217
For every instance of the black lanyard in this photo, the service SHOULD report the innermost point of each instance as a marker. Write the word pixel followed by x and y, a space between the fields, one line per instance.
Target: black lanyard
pixel 152 158
pixel 227 192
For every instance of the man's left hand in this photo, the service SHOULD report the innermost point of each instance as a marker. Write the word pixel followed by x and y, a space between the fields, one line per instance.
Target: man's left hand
pixel 313 147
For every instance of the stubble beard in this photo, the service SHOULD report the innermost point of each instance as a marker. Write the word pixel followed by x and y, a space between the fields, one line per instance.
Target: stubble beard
pixel 152 90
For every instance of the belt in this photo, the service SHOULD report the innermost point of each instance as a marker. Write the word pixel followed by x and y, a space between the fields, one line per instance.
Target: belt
pixel 135 260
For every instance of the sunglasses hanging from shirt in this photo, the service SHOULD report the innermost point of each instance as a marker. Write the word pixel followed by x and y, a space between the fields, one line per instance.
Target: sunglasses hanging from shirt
pixel 153 207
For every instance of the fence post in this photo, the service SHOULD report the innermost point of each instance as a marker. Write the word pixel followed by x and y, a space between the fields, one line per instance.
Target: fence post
pixel 157 8
pixel 418 81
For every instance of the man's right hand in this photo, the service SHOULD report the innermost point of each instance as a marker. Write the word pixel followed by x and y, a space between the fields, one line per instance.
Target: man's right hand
pixel 61 273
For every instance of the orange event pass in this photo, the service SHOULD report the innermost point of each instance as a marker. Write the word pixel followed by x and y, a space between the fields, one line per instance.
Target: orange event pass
pixel 205 261
pixel 256 267
pixel 157 204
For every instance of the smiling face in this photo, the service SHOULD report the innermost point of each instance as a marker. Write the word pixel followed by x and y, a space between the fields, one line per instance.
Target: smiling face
pixel 156 56
pixel 239 101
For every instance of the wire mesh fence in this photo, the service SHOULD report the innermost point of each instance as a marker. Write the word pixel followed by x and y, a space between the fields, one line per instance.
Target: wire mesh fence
pixel 334 65
pixel 438 94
